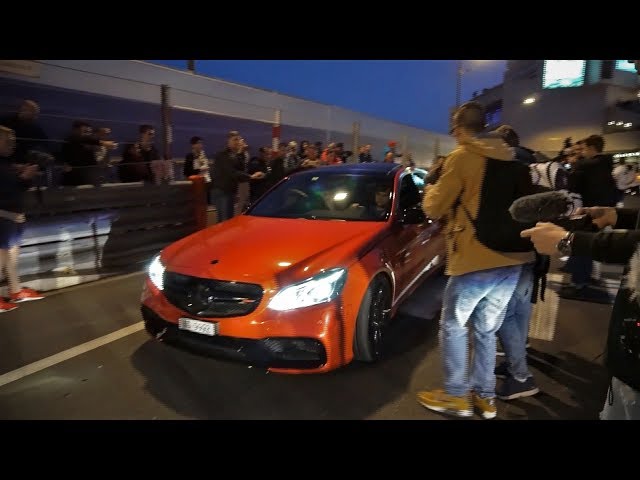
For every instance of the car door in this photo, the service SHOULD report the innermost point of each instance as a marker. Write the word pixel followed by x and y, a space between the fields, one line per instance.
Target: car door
pixel 417 237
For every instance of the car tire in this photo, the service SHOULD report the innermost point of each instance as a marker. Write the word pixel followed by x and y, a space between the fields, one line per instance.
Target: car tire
pixel 151 329
pixel 154 330
pixel 373 319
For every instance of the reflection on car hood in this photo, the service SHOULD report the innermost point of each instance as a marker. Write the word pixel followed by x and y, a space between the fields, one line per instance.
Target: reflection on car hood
pixel 254 249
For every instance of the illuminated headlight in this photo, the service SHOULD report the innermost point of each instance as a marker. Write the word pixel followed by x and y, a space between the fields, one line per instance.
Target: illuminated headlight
pixel 319 289
pixel 156 271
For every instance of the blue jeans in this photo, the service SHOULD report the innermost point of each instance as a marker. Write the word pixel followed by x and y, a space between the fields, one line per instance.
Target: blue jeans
pixel 224 203
pixel 515 329
pixel 481 297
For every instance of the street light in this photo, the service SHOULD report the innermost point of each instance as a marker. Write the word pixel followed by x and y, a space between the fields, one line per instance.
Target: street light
pixel 459 72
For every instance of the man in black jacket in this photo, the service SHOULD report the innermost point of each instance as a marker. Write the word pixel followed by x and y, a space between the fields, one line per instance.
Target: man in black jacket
pixel 228 170
pixel 257 188
pixel 514 331
pixel 523 154
pixel 365 154
pixel 623 343
pixel 29 134
pixel 592 178
pixel 78 153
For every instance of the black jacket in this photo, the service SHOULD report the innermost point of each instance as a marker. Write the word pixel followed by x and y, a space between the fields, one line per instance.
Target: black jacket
pixel 136 163
pixel 365 158
pixel 29 136
pixel 78 152
pixel 228 171
pixel 618 247
pixel 259 186
pixel 593 180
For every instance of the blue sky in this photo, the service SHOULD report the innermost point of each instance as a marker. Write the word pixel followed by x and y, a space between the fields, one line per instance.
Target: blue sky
pixel 414 92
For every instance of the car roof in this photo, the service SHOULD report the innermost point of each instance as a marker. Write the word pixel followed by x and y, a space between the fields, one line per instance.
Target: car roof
pixel 359 168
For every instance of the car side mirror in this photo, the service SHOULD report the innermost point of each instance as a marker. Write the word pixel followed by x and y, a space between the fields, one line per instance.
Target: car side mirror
pixel 412 215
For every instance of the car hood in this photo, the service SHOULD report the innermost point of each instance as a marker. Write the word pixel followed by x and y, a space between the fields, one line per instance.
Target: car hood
pixel 256 249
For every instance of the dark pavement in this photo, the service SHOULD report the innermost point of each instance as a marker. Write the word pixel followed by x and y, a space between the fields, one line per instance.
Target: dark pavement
pixel 135 377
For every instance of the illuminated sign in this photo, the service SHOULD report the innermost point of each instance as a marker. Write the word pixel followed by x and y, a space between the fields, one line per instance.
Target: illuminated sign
pixel 563 73
pixel 625 65
pixel 626 155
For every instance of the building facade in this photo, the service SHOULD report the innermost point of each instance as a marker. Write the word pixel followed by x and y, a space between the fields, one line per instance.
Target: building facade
pixel 547 101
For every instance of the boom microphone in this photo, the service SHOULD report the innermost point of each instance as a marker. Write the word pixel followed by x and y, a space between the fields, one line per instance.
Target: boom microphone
pixel 554 206
pixel 541 207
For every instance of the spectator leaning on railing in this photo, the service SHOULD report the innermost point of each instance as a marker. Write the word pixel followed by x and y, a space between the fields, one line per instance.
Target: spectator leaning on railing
pixel 29 134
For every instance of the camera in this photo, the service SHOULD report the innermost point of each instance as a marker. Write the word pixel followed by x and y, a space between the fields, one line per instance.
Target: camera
pixel 577 223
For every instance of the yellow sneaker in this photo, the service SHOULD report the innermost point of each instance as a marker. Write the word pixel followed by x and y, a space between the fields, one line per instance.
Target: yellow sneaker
pixel 440 401
pixel 486 407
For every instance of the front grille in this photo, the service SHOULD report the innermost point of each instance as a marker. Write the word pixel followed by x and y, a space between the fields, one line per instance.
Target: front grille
pixel 275 352
pixel 205 297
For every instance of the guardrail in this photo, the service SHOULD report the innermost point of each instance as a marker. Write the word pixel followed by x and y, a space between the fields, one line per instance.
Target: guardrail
pixel 79 234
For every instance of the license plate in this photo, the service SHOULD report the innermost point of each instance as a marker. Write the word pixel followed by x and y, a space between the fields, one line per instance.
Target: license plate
pixel 197 326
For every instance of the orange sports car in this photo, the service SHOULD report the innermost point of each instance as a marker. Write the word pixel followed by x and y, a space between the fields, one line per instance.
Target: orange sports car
pixel 307 279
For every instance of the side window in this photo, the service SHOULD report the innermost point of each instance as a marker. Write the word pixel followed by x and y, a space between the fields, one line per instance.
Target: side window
pixel 409 193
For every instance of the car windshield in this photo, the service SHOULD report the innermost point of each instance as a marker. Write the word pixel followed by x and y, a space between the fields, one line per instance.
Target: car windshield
pixel 329 196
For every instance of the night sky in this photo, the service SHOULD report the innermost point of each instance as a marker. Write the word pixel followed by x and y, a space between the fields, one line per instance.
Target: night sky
pixel 413 92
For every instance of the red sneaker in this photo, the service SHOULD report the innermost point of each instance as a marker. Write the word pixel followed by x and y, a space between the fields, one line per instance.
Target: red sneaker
pixel 25 295
pixel 6 306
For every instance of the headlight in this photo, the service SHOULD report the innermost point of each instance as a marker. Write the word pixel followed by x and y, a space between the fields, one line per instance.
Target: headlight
pixel 319 289
pixel 156 271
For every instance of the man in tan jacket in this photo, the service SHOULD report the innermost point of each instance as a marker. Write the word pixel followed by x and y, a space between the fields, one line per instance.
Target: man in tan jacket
pixel 481 281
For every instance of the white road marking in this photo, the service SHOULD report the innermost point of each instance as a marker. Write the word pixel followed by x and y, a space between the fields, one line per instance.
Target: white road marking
pixel 68 354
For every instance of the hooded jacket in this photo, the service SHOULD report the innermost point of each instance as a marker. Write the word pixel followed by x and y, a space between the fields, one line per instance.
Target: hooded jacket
pixel 461 181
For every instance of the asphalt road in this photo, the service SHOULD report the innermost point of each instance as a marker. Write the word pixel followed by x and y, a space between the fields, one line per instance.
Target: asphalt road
pixel 130 376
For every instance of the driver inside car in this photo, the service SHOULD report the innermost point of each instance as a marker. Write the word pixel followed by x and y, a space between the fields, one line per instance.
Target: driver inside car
pixel 382 202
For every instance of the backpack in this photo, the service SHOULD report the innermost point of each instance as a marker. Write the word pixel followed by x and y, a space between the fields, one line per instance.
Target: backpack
pixel 503 182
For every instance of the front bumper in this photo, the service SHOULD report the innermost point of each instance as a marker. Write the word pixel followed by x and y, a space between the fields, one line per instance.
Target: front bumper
pixel 271 352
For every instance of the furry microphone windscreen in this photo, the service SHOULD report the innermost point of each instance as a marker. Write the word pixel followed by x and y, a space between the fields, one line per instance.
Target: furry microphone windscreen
pixel 541 207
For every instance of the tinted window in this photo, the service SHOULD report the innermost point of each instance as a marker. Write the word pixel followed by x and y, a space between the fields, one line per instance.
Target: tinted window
pixel 317 195
pixel 409 193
